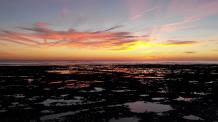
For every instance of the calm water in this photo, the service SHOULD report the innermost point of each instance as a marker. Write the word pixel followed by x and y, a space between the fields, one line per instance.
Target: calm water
pixel 109 92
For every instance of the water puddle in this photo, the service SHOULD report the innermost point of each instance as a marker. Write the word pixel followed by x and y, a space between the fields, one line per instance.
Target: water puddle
pixel 142 107
pixel 127 119
pixel 192 117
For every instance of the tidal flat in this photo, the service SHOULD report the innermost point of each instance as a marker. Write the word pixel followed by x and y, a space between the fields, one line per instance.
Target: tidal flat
pixel 109 93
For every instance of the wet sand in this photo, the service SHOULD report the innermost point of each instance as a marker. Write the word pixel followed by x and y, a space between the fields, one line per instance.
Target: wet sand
pixel 109 93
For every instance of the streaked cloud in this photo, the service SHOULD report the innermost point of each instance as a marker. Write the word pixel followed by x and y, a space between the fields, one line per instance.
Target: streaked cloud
pixel 190 52
pixel 142 13
pixel 40 34
pixel 163 29
pixel 179 42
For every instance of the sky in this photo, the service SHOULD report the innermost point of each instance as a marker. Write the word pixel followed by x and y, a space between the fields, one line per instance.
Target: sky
pixel 159 30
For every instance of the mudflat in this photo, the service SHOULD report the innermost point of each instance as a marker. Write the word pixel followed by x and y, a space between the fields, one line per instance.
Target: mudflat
pixel 108 92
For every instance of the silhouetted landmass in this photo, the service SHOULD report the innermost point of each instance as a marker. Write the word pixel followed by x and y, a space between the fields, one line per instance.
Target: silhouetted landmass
pixel 114 93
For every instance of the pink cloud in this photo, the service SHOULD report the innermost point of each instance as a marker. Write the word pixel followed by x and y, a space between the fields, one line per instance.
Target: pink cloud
pixel 163 29
pixel 136 8
pixel 39 35
pixel 41 24
pixel 142 13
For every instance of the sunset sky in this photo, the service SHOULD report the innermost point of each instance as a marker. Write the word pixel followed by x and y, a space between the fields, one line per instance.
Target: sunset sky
pixel 181 30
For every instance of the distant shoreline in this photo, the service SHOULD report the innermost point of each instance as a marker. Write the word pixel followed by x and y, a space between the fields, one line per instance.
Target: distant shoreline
pixel 48 63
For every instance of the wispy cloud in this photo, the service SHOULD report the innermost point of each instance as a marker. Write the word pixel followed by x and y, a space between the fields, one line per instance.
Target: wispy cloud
pixel 112 28
pixel 142 13
pixel 18 38
pixel 40 34
pixel 137 8
pixel 190 52
pixel 41 24
pixel 172 27
pixel 188 11
pixel 179 42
